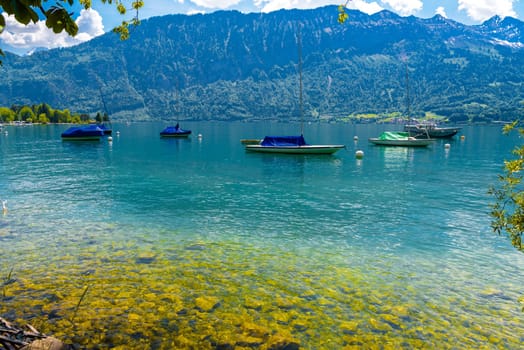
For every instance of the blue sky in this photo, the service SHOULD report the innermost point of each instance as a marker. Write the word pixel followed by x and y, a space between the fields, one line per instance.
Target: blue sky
pixel 24 39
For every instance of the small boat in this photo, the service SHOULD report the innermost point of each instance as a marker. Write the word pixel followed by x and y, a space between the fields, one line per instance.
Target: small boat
pixel 83 133
pixel 403 138
pixel 399 138
pixel 291 145
pixel 175 131
pixel 424 129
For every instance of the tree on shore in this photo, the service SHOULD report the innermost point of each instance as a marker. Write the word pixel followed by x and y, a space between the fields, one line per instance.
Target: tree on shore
pixel 41 113
pixel 508 210
pixel 57 16
pixel 7 115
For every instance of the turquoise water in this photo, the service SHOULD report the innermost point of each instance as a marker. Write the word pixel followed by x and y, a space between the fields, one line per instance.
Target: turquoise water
pixel 199 244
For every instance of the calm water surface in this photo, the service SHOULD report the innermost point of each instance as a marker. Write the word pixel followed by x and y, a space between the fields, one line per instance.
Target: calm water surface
pixel 194 243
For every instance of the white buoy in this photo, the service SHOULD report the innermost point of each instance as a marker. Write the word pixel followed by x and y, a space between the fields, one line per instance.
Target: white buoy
pixel 4 206
pixel 5 132
pixel 110 139
pixel 359 154
pixel 118 133
pixel 447 146
pixel 199 136
pixel 355 138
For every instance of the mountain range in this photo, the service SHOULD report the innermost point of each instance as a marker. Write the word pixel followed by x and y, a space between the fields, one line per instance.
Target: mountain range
pixel 233 66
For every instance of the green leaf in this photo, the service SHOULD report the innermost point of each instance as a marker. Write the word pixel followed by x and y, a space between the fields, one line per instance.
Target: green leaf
pixel 58 19
pixel 121 9
pixel 342 15
pixel 23 12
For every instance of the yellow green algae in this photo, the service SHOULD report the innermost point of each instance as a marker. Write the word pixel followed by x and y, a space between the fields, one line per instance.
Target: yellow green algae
pixel 211 294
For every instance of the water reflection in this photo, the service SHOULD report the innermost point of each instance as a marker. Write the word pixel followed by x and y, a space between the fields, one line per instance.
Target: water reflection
pixel 210 247
pixel 397 157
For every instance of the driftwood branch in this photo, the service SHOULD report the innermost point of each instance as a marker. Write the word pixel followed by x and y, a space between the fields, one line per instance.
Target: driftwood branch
pixel 14 338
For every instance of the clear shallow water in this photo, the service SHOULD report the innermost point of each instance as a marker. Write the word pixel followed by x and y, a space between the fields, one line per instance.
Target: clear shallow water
pixel 198 244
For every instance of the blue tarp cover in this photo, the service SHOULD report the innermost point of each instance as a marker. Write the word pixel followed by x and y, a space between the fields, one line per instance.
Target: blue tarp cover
pixel 284 141
pixel 173 130
pixel 83 131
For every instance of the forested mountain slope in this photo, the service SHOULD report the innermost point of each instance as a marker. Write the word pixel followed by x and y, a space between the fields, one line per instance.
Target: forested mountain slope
pixel 233 66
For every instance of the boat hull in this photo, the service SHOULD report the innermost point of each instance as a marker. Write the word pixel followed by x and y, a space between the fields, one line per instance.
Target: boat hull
pixel 434 132
pixel 173 135
pixel 306 149
pixel 414 142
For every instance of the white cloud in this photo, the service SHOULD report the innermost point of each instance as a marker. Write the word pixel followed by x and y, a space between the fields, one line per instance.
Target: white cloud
pixel 90 22
pixel 441 11
pixel 212 4
pixel 37 35
pixel 274 5
pixel 361 5
pixel 404 7
pixel 480 10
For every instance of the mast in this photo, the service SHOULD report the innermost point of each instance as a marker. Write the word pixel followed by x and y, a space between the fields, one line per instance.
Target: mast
pixel 106 114
pixel 300 81
pixel 177 107
pixel 408 112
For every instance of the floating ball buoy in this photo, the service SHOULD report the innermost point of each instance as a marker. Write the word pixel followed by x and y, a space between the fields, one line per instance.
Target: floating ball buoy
pixel 118 133
pixel 5 132
pixel 462 137
pixel 359 154
pixel 109 139
pixel 355 138
pixel 199 136
pixel 447 146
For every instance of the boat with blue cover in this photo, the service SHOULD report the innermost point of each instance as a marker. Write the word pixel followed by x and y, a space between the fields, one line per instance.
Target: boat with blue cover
pixel 175 131
pixel 83 133
pixel 291 145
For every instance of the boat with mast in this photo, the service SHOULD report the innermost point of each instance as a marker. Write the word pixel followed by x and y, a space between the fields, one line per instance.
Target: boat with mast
pixel 175 131
pixel 292 144
pixel 402 138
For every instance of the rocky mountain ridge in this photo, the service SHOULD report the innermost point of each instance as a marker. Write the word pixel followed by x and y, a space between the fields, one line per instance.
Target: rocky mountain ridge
pixel 233 66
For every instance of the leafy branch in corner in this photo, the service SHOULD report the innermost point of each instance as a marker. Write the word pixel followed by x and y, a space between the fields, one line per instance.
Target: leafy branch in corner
pixel 58 18
pixel 508 210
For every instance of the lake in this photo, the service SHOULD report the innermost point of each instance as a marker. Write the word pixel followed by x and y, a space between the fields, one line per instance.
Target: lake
pixel 151 243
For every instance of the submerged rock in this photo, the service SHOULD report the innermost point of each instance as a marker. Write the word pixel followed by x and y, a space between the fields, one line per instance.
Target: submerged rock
pixel 15 337
pixel 48 343
pixel 207 304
